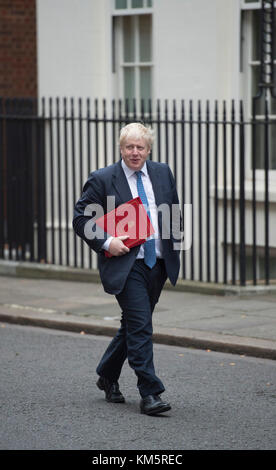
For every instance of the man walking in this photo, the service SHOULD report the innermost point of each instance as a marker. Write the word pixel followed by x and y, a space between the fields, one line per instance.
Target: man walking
pixel 137 275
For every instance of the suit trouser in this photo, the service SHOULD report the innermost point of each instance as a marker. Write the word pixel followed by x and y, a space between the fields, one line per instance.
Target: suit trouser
pixel 134 338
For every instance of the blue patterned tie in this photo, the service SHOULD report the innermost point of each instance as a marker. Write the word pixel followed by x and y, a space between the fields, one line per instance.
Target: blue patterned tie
pixel 149 245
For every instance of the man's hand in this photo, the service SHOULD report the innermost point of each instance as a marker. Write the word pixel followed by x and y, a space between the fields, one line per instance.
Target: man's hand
pixel 117 247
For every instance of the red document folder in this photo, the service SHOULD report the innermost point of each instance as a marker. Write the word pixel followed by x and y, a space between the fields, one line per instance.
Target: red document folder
pixel 129 219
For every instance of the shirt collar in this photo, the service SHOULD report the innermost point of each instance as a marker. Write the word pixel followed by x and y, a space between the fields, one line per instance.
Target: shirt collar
pixel 129 172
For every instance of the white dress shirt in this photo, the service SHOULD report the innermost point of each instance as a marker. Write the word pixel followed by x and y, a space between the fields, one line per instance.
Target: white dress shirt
pixel 132 181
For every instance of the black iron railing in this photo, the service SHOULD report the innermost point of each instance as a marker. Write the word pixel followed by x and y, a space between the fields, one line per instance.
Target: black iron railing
pixel 48 148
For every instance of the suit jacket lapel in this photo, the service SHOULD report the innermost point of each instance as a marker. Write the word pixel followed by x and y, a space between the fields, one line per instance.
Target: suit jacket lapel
pixel 120 183
pixel 155 181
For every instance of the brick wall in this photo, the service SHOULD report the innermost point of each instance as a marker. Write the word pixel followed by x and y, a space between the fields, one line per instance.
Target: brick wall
pixel 18 61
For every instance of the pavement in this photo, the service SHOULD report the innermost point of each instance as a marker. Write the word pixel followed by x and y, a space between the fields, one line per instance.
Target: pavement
pixel 69 300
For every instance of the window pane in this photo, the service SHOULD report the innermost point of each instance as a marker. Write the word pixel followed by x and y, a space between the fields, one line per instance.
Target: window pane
pixel 137 3
pixel 256 36
pixel 260 102
pixel 145 38
pixel 274 45
pixel 129 83
pixel 128 29
pixel 255 79
pixel 120 4
pixel 149 3
pixel 145 84
pixel 273 100
pixel 251 1
pixel 272 129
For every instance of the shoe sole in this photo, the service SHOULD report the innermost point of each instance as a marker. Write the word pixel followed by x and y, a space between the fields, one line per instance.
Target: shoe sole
pixel 157 410
pixel 115 400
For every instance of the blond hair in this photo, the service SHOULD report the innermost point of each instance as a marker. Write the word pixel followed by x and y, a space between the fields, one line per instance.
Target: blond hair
pixel 136 130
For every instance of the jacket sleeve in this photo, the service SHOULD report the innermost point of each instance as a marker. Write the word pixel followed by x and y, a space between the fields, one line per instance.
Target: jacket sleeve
pixel 91 201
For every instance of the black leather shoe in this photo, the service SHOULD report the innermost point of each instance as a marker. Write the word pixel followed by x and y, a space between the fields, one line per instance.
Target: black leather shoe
pixel 152 405
pixel 112 392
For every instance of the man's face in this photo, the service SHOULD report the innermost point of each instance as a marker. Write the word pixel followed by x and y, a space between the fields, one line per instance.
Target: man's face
pixel 134 153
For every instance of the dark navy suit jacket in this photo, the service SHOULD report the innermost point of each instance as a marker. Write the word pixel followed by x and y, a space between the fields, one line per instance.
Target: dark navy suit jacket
pixel 111 181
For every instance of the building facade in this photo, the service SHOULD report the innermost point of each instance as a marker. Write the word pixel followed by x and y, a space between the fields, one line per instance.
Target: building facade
pixel 150 53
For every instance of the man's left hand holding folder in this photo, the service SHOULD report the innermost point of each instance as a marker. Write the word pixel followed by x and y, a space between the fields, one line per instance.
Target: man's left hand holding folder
pixel 116 245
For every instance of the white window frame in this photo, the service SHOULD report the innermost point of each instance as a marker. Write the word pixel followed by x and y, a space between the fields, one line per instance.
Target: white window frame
pixel 251 5
pixel 120 64
pixel 256 5
pixel 131 11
